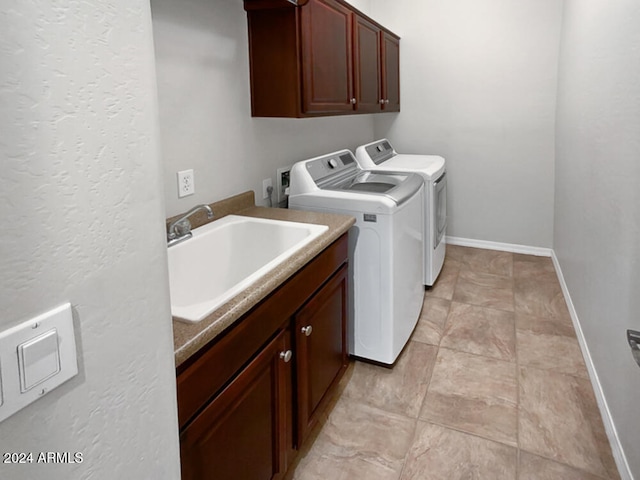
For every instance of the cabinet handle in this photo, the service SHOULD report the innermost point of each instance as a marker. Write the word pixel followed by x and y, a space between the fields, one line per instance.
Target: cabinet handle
pixel 353 101
pixel 307 330
pixel 382 101
pixel 286 356
pixel 386 101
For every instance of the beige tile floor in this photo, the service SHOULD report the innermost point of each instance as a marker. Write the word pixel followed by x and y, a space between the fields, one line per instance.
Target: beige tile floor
pixel 492 385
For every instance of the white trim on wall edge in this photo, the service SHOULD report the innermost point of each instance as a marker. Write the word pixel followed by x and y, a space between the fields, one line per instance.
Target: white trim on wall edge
pixel 505 247
pixel 616 447
pixel 612 434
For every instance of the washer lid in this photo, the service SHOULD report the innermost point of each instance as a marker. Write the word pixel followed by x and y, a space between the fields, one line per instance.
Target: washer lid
pixel 380 155
pixel 339 171
pixel 429 165
pixel 397 186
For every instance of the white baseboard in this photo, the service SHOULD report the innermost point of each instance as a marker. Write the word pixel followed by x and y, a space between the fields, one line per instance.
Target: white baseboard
pixel 505 247
pixel 616 447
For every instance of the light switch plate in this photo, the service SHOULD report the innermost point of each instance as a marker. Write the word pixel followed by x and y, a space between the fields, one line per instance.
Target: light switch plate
pixel 28 353
pixel 38 360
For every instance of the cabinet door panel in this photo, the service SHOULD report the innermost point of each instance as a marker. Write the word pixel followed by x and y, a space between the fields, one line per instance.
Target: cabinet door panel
pixel 391 76
pixel 327 57
pixel 243 432
pixel 321 355
pixel 367 66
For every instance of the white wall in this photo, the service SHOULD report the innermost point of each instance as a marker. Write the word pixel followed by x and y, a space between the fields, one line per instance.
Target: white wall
pixel 82 221
pixel 205 114
pixel 363 5
pixel 478 86
pixel 597 212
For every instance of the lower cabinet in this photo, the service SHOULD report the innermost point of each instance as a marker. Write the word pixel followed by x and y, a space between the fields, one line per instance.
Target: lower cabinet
pixel 244 431
pixel 320 348
pixel 248 400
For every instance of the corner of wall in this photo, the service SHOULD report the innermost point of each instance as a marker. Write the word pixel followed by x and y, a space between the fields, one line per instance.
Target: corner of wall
pixel 616 447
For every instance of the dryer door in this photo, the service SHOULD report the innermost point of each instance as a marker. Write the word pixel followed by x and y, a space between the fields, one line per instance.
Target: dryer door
pixel 440 196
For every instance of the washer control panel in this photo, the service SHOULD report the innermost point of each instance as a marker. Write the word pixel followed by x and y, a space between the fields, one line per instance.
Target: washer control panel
pixel 334 165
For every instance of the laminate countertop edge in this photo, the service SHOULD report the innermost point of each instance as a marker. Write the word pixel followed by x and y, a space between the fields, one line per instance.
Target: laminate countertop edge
pixel 188 339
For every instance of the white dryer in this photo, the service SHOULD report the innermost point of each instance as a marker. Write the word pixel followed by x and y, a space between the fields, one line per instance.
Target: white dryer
pixel 385 246
pixel 380 155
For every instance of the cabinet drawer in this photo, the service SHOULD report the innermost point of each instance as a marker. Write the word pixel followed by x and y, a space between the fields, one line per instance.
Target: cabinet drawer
pixel 202 377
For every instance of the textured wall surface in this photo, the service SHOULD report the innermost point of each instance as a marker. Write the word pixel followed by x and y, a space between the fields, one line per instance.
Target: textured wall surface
pixel 597 213
pixel 478 83
pixel 82 215
pixel 202 62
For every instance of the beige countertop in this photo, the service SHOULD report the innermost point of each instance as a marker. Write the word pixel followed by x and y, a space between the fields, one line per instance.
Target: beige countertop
pixel 189 338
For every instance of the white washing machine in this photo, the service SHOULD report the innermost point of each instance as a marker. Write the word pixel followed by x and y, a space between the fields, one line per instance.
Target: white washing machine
pixel 380 155
pixel 385 246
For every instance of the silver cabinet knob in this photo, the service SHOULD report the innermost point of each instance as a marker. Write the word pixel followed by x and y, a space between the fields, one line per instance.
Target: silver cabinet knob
pixel 386 101
pixel 286 356
pixel 307 330
pixel 382 101
pixel 353 101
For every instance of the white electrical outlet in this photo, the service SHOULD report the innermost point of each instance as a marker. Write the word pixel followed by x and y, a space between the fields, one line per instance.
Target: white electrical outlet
pixel 266 183
pixel 186 184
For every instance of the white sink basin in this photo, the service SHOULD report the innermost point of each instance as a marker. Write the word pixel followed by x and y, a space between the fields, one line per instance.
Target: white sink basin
pixel 226 256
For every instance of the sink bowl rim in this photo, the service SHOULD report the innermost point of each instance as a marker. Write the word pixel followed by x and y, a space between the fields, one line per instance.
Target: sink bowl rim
pixel 183 314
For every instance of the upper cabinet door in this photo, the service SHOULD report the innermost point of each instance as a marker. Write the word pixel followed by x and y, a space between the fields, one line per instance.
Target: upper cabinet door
pixel 368 71
pixel 326 36
pixel 391 72
pixel 322 57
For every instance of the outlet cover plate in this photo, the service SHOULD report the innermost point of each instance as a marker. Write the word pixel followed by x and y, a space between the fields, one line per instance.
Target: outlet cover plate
pixel 266 183
pixel 186 184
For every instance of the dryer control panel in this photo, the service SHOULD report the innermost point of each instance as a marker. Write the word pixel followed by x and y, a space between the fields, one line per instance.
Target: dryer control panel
pixel 380 151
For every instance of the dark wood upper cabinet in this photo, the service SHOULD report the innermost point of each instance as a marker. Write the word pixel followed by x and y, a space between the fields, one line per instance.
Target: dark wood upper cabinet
pixel 391 72
pixel 368 65
pixel 322 57
pixel 327 57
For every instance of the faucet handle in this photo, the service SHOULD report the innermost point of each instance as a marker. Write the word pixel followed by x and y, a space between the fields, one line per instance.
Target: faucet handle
pixel 183 227
pixel 180 229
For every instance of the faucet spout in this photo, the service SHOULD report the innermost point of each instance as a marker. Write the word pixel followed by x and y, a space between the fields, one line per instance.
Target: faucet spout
pixel 180 229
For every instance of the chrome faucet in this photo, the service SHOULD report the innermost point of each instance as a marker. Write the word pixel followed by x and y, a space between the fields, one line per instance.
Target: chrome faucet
pixel 180 229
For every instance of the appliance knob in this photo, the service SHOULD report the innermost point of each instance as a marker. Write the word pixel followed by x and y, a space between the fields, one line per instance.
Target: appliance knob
pixel 332 163
pixel 286 356
pixel 307 330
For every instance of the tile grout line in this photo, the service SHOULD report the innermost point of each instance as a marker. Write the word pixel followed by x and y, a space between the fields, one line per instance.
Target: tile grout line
pixel 464 432
pixel 517 372
pixel 424 399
